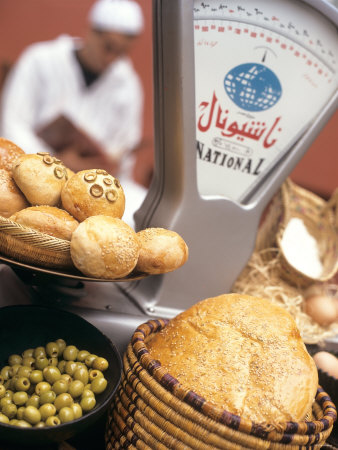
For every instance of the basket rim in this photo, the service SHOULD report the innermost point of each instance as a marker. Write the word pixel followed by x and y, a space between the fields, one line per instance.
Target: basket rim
pixel 14 229
pixel 170 383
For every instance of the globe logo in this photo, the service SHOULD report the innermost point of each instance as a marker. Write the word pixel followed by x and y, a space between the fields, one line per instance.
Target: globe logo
pixel 253 87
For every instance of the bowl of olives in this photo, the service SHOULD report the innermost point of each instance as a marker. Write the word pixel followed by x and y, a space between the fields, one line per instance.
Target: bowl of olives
pixel 58 374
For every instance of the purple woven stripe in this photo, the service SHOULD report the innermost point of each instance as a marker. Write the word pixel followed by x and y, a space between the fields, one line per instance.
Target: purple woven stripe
pixel 134 440
pixel 311 428
pixel 153 365
pixel 292 427
pixel 169 382
pixel 194 400
pixel 286 439
pixel 141 352
pixel 231 420
pixel 259 431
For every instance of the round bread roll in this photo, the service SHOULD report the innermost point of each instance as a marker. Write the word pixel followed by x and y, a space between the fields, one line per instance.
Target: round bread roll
pixel 11 198
pixel 243 354
pixel 47 219
pixel 104 247
pixel 93 192
pixel 40 177
pixel 9 152
pixel 161 251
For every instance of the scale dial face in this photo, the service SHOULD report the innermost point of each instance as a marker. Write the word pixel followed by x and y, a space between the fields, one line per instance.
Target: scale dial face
pixel 263 72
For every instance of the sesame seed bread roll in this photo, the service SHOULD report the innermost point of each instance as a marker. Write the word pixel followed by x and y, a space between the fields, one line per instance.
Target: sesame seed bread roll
pixel 11 198
pixel 47 219
pixel 40 177
pixel 161 251
pixel 104 247
pixel 243 354
pixel 9 152
pixel 93 192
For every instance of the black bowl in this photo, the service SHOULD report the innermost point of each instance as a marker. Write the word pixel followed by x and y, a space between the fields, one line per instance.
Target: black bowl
pixel 29 326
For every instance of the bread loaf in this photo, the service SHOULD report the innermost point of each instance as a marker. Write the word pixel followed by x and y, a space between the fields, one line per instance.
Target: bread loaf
pixel 11 198
pixel 9 152
pixel 93 192
pixel 47 219
pixel 243 354
pixel 40 177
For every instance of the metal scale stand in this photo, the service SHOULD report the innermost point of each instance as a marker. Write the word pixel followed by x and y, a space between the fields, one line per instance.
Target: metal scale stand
pixel 241 90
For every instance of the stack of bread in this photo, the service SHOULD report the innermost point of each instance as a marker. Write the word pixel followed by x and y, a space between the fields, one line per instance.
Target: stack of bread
pixel 229 372
pixel 85 209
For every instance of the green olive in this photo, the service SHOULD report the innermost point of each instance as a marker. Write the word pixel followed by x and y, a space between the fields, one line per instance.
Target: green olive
pixel 88 403
pixel 2 390
pixel 82 355
pixel 23 424
pixel 28 352
pixel 61 344
pixel 87 393
pixel 100 363
pixel 66 414
pixel 32 415
pixel 13 422
pixel 9 394
pixel 20 398
pixel 41 362
pixel 76 388
pixel 22 384
pixel 41 387
pixel 95 373
pixel 52 361
pixel 40 425
pixel 24 371
pixel 9 410
pixel 52 421
pixel 28 361
pixel 47 410
pixel 70 353
pixel 82 375
pixel 3 418
pixel 77 410
pixel 39 351
pixel 60 386
pixel 5 401
pixel 52 349
pixel 70 367
pixel 90 359
pixel 51 374
pixel 15 359
pixel 62 365
pixel 14 369
pixel 66 377
pixel 47 397
pixel 19 413
pixel 5 372
pixel 62 400
pixel 98 385
pixel 36 376
pixel 34 400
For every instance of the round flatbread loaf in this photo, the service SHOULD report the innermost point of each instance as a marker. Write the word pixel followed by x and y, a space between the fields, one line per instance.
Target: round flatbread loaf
pixel 9 152
pixel 93 192
pixel 47 219
pixel 104 247
pixel 11 198
pixel 243 354
pixel 161 251
pixel 40 177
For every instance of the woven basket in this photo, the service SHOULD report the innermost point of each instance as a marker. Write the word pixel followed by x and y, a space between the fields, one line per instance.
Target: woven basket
pixel 320 219
pixel 26 245
pixel 152 410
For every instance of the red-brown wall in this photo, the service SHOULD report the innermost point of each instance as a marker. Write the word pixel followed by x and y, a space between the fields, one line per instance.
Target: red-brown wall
pixel 25 21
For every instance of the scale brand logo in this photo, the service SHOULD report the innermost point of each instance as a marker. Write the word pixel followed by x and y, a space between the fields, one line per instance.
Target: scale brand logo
pixel 253 87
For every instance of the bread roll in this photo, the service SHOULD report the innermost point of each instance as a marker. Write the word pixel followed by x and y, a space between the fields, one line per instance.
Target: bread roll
pixel 47 219
pixel 40 177
pixel 9 152
pixel 93 192
pixel 11 198
pixel 104 247
pixel 243 354
pixel 161 251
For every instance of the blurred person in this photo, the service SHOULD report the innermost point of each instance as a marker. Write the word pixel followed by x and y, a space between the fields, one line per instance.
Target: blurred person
pixel 81 99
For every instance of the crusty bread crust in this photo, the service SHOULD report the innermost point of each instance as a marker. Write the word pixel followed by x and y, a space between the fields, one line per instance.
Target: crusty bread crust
pixel 243 354
pixel 11 198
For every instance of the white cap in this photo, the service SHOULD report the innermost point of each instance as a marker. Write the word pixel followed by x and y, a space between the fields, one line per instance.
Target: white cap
pixel 122 16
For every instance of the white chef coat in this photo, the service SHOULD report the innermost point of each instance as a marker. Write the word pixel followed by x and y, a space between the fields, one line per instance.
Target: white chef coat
pixel 47 81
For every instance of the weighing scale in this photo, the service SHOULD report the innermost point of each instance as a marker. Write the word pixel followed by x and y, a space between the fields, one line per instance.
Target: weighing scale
pixel 241 90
